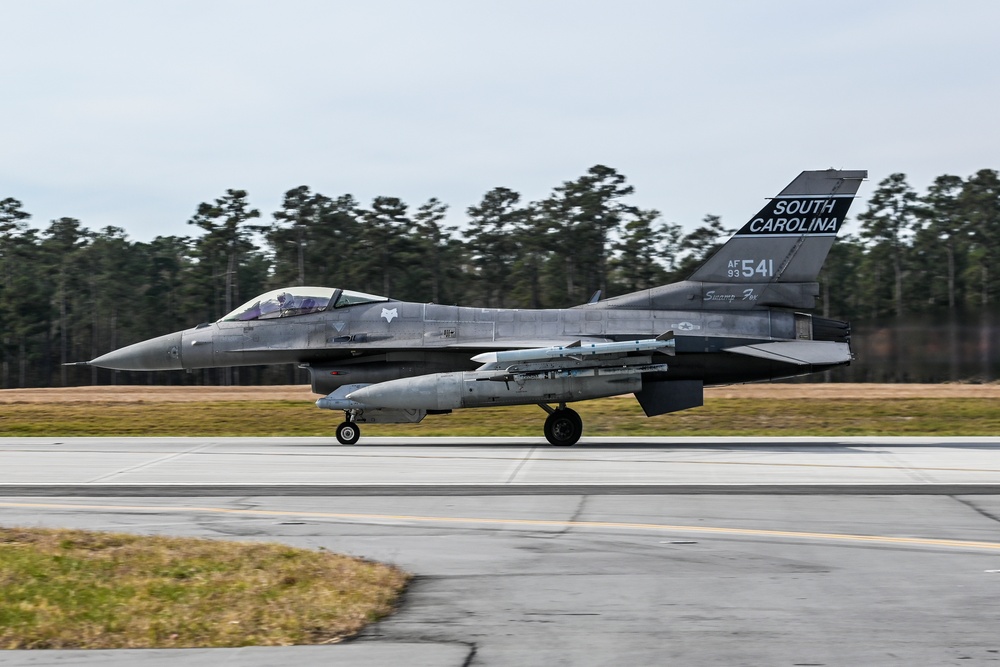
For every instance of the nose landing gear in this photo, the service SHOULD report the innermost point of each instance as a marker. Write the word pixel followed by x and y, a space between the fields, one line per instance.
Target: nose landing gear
pixel 348 432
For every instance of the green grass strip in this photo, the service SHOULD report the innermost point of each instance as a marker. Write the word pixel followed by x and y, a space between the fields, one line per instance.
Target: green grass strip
pixel 70 589
pixel 611 417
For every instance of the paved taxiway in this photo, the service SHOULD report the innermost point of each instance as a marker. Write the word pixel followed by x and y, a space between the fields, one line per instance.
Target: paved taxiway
pixel 578 576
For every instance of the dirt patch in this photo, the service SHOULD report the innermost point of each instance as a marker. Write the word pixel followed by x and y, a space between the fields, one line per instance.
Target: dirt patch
pixel 833 390
pixel 147 394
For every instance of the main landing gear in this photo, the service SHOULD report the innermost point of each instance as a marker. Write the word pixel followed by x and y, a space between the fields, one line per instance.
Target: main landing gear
pixel 563 426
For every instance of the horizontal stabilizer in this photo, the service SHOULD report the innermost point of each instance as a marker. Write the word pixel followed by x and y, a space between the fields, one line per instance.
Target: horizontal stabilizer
pixel 799 352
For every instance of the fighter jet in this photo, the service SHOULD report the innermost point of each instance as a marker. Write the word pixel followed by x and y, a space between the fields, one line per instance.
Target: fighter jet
pixel 737 319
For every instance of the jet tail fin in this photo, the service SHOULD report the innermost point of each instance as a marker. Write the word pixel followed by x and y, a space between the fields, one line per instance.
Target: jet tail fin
pixel 773 260
pixel 788 240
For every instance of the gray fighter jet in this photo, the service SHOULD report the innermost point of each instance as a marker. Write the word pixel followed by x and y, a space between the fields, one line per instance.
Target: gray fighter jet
pixel 736 319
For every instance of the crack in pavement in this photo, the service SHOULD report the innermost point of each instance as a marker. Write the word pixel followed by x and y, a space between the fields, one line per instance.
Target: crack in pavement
pixel 520 465
pixel 147 464
pixel 971 505
pixel 573 519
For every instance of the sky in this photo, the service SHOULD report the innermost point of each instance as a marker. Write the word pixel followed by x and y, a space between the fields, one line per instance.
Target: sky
pixel 131 113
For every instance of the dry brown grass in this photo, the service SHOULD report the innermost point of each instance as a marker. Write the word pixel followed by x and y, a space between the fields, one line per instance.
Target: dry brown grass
pixel 148 394
pixel 836 390
pixel 78 589
pixel 757 409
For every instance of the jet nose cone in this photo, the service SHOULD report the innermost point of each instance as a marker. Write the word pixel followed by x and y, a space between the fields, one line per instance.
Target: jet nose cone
pixel 155 354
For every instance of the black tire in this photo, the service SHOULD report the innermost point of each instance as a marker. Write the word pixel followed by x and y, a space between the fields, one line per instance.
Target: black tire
pixel 563 428
pixel 348 433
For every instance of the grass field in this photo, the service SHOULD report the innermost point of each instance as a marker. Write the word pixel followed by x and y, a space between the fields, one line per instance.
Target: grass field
pixel 780 409
pixel 76 589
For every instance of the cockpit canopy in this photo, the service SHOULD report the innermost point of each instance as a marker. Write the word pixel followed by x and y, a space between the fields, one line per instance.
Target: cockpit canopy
pixel 292 301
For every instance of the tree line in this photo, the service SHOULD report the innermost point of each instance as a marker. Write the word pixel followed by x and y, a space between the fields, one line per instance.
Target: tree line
pixel 69 293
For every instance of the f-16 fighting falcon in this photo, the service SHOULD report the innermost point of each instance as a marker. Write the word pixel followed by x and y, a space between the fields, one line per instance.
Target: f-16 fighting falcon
pixel 736 319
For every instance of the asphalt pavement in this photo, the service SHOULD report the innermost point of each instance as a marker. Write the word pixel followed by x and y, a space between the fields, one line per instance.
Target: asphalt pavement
pixel 602 555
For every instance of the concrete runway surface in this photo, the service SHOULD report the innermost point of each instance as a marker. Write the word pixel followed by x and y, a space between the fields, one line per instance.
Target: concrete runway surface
pixel 847 551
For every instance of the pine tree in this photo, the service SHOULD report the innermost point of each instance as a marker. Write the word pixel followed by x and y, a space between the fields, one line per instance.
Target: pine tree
pixel 492 239
pixel 888 224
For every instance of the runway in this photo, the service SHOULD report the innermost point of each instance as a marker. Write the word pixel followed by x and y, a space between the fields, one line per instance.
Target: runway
pixel 602 553
pixel 282 464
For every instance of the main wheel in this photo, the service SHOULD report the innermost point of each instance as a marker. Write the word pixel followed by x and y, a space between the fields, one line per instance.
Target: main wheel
pixel 563 427
pixel 348 433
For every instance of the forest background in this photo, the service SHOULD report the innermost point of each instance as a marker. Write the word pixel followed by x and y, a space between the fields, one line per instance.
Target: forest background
pixel 920 281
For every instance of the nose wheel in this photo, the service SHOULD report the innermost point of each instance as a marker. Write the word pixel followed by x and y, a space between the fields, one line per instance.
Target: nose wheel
pixel 348 433
pixel 563 427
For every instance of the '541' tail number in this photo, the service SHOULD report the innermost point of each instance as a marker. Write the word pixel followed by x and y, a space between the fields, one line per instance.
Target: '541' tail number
pixel 750 268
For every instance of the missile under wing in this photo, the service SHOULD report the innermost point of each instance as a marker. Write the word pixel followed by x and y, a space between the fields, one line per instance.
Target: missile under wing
pixel 738 318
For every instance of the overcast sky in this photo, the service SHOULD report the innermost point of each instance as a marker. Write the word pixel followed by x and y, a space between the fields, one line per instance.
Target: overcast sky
pixel 130 113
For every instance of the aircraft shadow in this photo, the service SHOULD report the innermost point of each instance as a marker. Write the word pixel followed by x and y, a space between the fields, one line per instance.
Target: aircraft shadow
pixel 790 446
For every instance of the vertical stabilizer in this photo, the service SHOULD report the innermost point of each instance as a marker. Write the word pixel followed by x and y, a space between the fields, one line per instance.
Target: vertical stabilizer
pixel 788 240
pixel 773 260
